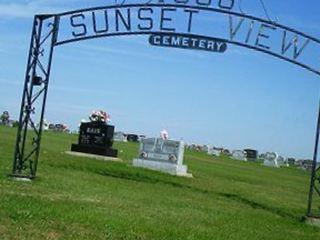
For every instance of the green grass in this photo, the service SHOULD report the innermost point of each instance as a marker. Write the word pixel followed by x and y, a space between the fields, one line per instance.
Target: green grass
pixel 79 198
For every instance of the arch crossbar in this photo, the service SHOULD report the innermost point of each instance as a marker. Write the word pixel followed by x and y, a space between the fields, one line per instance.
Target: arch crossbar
pixel 50 31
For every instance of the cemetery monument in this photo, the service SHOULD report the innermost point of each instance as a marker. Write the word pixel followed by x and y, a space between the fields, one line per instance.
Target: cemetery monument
pixel 271 159
pixel 132 138
pixel 215 151
pixel 120 137
pixel 96 136
pixel 163 155
pixel 239 155
pixel 205 148
pixel 252 155
pixel 282 161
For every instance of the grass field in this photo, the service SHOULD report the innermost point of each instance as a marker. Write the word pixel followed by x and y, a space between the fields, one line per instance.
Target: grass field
pixel 79 198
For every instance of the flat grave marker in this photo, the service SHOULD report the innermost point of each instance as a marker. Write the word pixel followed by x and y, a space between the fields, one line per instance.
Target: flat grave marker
pixel 162 155
pixel 239 155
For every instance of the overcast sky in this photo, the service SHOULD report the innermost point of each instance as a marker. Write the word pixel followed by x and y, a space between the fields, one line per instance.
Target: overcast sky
pixel 238 99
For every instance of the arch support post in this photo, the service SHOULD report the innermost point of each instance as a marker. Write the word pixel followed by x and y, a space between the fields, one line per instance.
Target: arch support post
pixel 27 148
pixel 314 192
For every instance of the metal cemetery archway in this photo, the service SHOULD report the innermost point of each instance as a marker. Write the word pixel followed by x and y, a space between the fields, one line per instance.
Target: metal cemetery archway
pixel 170 25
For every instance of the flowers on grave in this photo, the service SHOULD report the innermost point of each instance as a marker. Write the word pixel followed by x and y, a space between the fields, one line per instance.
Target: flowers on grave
pixel 164 135
pixel 100 116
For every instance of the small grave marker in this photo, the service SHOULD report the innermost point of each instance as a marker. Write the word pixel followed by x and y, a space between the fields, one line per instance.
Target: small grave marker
pixel 162 155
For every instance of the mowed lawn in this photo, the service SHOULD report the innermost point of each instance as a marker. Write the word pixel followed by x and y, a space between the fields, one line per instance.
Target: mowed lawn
pixel 79 198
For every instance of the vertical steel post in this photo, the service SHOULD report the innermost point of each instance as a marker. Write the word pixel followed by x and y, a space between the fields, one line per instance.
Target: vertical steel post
pixel 17 155
pixel 314 169
pixel 35 86
pixel 44 102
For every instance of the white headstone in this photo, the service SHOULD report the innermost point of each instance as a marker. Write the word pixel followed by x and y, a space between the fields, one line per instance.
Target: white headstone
pixel 282 161
pixel 45 125
pixel 162 155
pixel 239 155
pixel 205 148
pixel 214 152
pixel 271 159
pixel 119 137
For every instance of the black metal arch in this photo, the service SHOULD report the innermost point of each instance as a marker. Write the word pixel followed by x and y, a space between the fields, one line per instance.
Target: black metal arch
pixel 45 37
pixel 209 9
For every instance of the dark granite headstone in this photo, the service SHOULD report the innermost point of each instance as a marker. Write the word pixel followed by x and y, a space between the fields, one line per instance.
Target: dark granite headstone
pixel 96 138
pixel 132 138
pixel 252 154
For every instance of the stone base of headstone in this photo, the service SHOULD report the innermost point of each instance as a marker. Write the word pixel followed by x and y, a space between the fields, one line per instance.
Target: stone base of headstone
pixel 313 221
pixel 173 169
pixel 99 157
pixel 214 152
pixel 102 151
pixel 239 159
pixel 252 159
pixel 283 164
pixel 20 179
pixel 270 164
